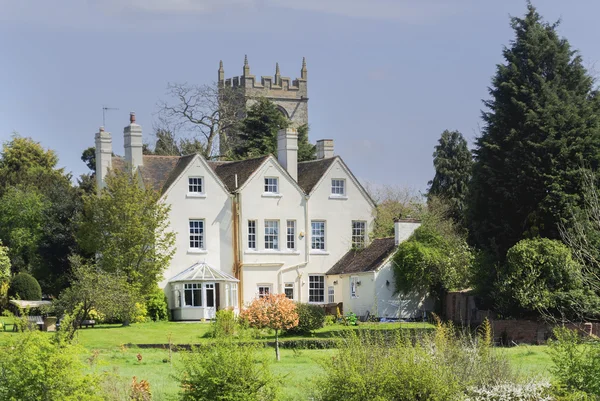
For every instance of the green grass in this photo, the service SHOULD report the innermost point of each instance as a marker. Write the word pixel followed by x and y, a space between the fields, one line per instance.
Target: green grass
pixel 529 359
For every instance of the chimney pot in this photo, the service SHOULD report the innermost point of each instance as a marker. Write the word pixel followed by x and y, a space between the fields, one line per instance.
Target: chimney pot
pixel 132 117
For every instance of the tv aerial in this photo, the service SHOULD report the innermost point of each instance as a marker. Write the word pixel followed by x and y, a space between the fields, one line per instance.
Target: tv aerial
pixel 104 110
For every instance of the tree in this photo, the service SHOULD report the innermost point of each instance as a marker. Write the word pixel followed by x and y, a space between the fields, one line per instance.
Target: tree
pixel 89 158
pixel 259 129
pixel 541 126
pixel 208 112
pixel 274 311
pixel 436 258
pixel 453 162
pixel 393 202
pixel 25 286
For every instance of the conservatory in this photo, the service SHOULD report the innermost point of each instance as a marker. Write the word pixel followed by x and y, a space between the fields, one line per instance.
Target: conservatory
pixel 200 290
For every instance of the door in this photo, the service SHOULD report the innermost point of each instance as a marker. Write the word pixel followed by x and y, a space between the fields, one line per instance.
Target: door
pixel 210 300
pixel 218 296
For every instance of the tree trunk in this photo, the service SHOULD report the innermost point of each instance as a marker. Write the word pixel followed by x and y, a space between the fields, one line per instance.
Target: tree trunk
pixel 277 345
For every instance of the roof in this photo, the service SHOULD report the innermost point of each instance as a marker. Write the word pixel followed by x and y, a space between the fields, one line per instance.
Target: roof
pixel 365 260
pixel 310 172
pixel 227 171
pixel 157 171
pixel 202 272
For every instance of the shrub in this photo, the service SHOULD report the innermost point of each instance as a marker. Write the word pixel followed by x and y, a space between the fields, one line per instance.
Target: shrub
pixel 576 364
pixel 310 317
pixel 156 305
pixel 224 324
pixel 330 320
pixel 227 370
pixel 25 286
pixel 534 391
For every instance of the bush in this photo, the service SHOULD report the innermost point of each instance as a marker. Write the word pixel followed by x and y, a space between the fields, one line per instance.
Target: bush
pixel 227 370
pixel 311 317
pixel 25 286
pixel 534 391
pixel 156 305
pixel 224 324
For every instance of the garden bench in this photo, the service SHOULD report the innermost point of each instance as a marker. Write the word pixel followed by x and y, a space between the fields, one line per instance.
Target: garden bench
pixel 35 321
pixel 87 323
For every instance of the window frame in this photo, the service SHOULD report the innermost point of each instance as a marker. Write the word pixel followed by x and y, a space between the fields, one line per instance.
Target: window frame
pixel 290 237
pixel 354 280
pixel 270 184
pixel 252 236
pixel 322 236
pixel 289 286
pixel 363 236
pixel 193 288
pixel 315 286
pixel 200 184
pixel 268 287
pixel 331 294
pixel 197 237
pixel 335 188
pixel 271 238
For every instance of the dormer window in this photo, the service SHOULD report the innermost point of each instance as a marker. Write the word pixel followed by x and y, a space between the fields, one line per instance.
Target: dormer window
pixel 271 185
pixel 195 186
pixel 338 187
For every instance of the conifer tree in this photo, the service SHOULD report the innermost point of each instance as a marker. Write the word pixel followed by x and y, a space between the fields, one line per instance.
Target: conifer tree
pixel 541 126
pixel 453 162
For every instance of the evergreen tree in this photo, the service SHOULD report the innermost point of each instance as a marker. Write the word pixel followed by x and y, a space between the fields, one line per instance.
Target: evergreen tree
pixel 259 132
pixel 453 162
pixel 541 126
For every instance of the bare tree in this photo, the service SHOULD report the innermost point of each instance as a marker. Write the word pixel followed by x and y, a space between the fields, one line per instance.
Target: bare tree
pixel 208 114
pixel 393 202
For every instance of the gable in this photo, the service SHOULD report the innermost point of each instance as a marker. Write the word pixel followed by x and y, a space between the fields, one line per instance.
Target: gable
pixel 192 165
pixel 271 163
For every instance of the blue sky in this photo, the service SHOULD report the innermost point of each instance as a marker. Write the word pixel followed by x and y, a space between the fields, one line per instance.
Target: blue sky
pixel 386 77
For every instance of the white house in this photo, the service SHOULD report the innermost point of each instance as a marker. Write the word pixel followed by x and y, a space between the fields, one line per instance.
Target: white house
pixel 252 227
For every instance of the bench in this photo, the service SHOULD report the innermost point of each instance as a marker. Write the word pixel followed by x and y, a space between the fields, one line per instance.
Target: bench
pixel 87 323
pixel 35 321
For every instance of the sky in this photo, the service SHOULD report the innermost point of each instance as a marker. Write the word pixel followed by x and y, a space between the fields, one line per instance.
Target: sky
pixel 385 77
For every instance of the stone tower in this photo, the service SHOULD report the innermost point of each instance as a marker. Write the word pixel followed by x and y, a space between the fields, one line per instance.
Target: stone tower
pixel 290 96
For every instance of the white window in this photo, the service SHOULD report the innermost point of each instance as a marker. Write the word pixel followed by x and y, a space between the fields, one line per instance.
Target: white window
pixel 177 296
pixel 196 234
pixel 316 288
pixel 210 295
pixel 288 289
pixel 330 294
pixel 272 185
pixel 264 290
pixel 359 234
pixel 231 295
pixel 318 235
pixel 338 187
pixel 195 185
pixel 193 294
pixel 251 234
pixel 272 234
pixel 353 287
pixel 234 294
pixel 291 235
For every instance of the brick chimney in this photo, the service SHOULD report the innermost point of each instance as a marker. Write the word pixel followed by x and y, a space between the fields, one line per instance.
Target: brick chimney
pixel 103 156
pixel 133 143
pixel 287 150
pixel 324 148
pixel 404 228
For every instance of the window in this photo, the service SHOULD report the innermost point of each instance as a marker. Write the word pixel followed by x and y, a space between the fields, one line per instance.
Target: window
pixel 177 295
pixel 272 234
pixel 291 235
pixel 318 235
pixel 288 289
pixel 338 187
pixel 196 234
pixel 251 234
pixel 359 232
pixel 234 294
pixel 353 287
pixel 272 185
pixel 193 294
pixel 210 295
pixel 316 288
pixel 330 294
pixel 195 185
pixel 264 290
pixel 231 295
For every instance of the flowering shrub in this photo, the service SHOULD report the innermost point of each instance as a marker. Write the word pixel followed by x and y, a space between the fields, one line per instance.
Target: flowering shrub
pixel 274 311
pixel 540 391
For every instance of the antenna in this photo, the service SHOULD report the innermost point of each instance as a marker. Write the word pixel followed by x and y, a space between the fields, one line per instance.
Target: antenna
pixel 104 110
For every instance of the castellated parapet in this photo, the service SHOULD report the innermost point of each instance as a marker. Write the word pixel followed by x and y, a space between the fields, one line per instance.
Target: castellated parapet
pixel 290 96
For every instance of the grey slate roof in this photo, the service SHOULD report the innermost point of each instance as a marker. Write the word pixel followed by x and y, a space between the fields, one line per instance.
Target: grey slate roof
pixel 309 173
pixel 157 171
pixel 243 168
pixel 365 260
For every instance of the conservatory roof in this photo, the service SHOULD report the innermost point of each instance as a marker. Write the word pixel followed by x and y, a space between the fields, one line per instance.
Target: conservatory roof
pixel 202 272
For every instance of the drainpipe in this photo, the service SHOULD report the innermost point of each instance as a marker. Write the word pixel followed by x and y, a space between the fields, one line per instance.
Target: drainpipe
pixel 280 278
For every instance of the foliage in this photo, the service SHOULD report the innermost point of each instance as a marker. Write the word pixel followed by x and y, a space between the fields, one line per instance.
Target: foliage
pixel 227 371
pixel 259 129
pixel 36 367
pixel 4 263
pixel 435 258
pixel 273 311
pixel 541 276
pixel 453 162
pixel 576 364
pixel 128 227
pixel 156 305
pixel 140 390
pixel 224 324
pixel 393 203
pixel 310 317
pixel 533 391
pixel 541 125
pixel 24 286
pixel 88 156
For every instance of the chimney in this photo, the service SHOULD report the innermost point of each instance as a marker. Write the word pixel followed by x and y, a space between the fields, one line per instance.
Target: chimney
pixel 103 156
pixel 404 228
pixel 324 148
pixel 287 150
pixel 133 143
